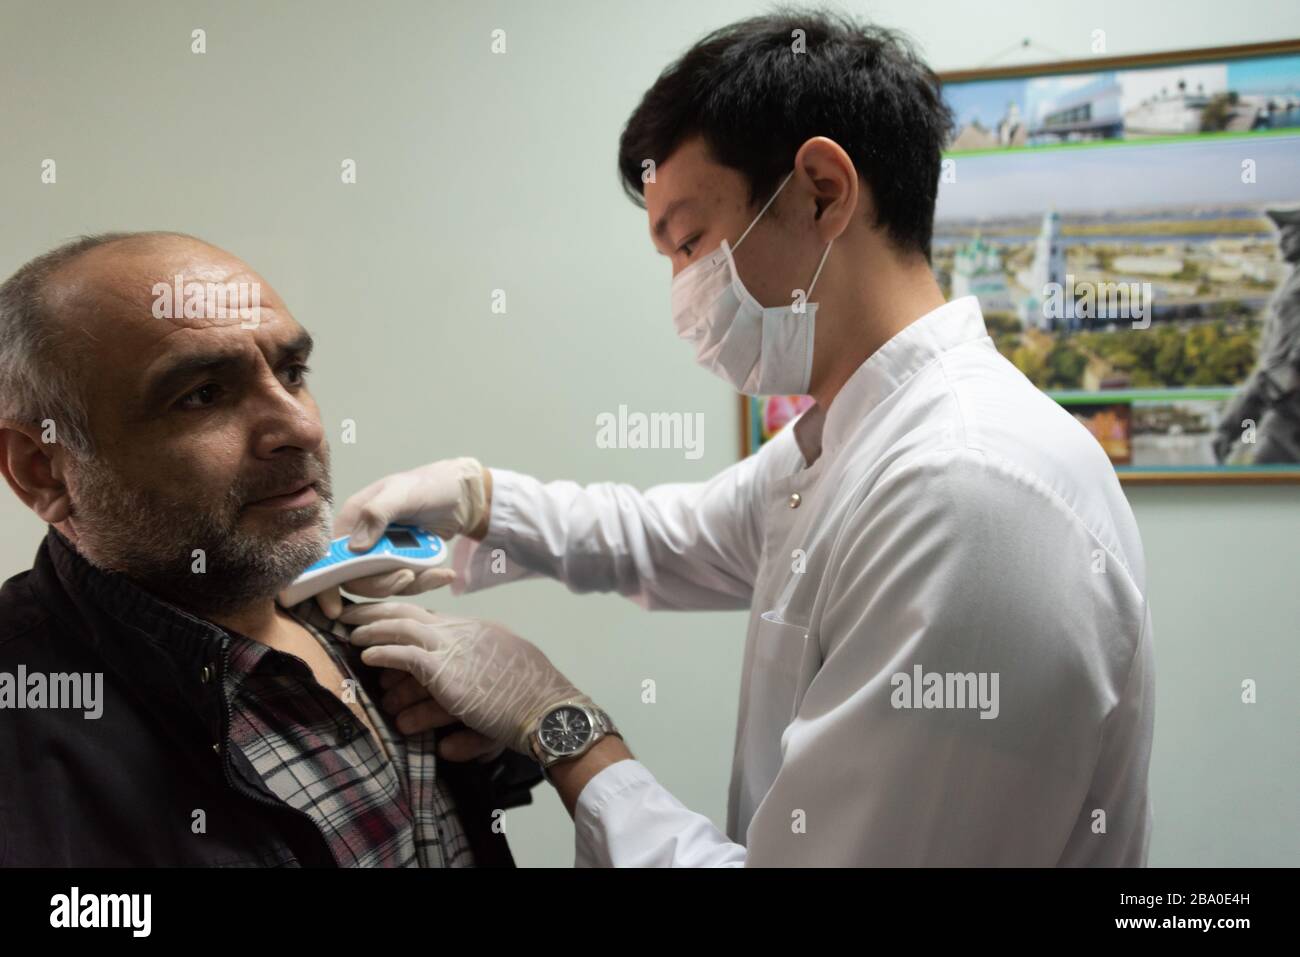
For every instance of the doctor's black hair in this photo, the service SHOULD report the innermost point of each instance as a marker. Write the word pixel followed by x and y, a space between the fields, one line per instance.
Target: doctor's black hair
pixel 755 101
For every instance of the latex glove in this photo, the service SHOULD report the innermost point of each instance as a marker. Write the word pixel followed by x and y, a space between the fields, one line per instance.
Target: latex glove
pixel 448 498
pixel 414 712
pixel 480 672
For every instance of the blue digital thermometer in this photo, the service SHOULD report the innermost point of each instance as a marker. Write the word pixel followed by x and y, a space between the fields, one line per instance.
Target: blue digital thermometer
pixel 401 546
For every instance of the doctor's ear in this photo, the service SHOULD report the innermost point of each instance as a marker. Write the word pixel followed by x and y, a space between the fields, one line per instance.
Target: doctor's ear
pixel 836 189
pixel 34 469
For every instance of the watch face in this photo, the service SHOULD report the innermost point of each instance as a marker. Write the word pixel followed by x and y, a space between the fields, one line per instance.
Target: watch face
pixel 565 730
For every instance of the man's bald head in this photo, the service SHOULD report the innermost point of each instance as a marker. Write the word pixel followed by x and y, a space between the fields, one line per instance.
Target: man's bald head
pixel 39 305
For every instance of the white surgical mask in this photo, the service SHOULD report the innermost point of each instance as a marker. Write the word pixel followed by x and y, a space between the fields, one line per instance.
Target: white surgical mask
pixel 759 350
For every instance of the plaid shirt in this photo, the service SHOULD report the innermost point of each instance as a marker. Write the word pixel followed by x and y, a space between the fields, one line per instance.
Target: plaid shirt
pixel 376 803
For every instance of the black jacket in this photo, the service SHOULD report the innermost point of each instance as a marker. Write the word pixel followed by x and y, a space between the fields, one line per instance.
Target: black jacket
pixel 121 790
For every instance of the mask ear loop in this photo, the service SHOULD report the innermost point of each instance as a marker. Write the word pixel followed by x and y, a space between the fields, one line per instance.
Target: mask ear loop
pixel 763 210
pixel 819 269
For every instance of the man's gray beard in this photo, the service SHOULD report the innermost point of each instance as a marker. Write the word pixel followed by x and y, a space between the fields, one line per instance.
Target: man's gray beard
pixel 151 538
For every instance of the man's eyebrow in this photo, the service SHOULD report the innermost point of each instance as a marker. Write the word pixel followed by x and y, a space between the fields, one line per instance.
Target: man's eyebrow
pixel 673 209
pixel 300 345
pixel 216 362
pixel 181 370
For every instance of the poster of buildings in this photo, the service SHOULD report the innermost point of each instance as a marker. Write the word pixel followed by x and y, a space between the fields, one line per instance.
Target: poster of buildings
pixel 1131 232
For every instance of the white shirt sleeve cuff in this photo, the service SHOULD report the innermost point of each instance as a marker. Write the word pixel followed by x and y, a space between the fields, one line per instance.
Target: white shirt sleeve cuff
pixel 482 564
pixel 625 818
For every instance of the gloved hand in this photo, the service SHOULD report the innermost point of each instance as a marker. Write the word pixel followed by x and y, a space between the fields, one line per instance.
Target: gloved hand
pixel 448 498
pixel 478 671
pixel 414 712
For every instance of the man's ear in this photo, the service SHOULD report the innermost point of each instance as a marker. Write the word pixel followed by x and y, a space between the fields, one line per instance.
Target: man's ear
pixel 34 469
pixel 835 185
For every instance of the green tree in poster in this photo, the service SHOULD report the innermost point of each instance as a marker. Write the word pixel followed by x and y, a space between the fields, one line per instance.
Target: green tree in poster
pixel 1031 364
pixel 1169 359
pixel 1065 367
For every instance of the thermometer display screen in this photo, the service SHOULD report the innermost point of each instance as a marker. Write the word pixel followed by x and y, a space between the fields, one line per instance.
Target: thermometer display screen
pixel 402 539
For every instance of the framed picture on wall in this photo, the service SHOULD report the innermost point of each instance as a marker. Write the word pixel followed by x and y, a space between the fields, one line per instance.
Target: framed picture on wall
pixel 1131 227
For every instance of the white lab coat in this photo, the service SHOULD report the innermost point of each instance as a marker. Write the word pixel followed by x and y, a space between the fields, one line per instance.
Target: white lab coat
pixel 956 522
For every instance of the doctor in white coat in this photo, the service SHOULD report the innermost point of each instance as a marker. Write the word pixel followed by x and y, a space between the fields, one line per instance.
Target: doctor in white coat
pixel 949 653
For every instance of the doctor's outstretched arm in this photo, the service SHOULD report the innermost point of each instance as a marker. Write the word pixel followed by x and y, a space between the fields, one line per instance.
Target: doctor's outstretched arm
pixel 674 546
pixel 500 686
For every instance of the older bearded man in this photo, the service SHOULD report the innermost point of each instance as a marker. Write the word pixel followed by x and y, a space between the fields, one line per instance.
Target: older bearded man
pixel 177 455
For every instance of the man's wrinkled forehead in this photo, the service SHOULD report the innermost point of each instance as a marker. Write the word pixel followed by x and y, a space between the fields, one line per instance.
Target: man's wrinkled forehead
pixel 122 308
pixel 120 285
pixel 130 296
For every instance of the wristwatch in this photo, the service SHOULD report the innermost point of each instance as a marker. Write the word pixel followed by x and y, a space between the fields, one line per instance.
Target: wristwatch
pixel 568 730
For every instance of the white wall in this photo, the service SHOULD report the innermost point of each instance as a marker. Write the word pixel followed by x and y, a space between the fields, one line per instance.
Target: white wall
pixel 479 172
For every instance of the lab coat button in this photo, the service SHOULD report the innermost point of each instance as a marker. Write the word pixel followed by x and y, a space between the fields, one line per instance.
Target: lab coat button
pixel 795 499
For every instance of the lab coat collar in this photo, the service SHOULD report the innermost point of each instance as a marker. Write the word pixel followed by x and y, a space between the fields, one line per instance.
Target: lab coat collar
pixel 820 433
